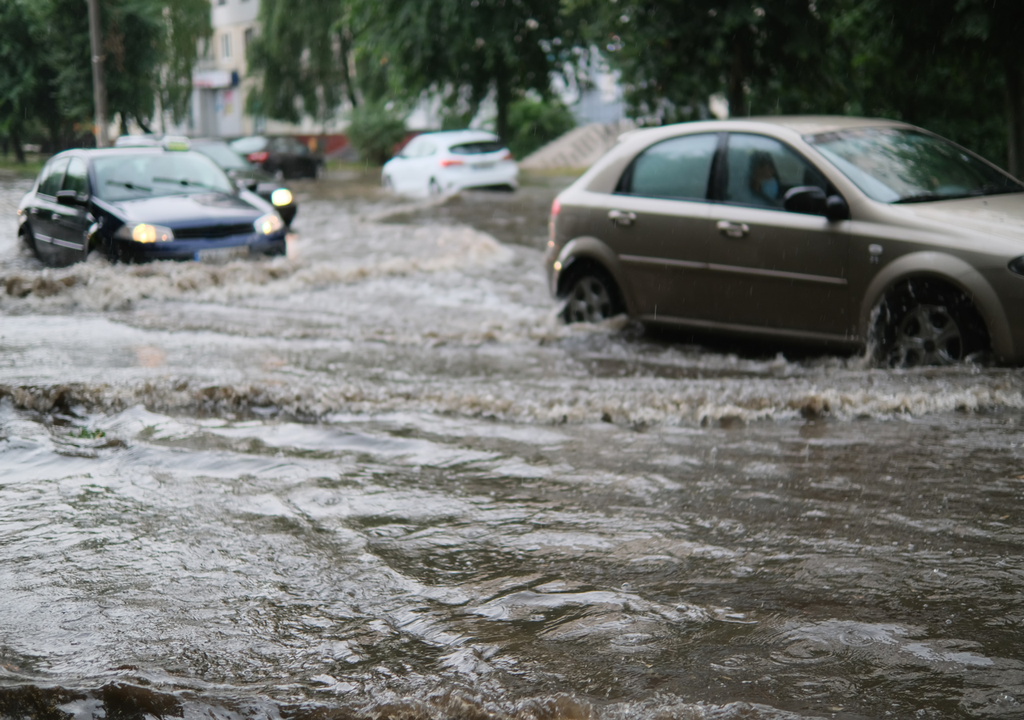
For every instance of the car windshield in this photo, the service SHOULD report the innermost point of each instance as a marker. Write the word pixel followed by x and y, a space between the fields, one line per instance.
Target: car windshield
pixel 897 165
pixel 138 175
pixel 224 156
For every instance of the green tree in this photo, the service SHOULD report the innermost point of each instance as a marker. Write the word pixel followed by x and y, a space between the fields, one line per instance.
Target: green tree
pixel 534 123
pixel 469 47
pixel 304 53
pixel 673 54
pixel 25 76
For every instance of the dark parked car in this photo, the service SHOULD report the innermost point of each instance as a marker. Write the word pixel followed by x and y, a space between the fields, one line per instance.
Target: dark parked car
pixel 836 230
pixel 244 172
pixel 144 203
pixel 283 157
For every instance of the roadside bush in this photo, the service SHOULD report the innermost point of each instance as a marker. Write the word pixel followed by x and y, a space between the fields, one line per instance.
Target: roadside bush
pixel 374 131
pixel 534 123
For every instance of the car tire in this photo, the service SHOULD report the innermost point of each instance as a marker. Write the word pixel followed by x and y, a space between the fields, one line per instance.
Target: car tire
pixel 590 296
pixel 30 242
pixel 924 322
pixel 434 188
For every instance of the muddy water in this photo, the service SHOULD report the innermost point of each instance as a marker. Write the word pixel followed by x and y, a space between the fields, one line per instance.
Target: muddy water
pixel 379 479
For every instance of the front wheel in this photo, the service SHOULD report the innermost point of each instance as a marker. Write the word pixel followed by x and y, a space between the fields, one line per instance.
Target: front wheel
pixel 591 297
pixel 927 322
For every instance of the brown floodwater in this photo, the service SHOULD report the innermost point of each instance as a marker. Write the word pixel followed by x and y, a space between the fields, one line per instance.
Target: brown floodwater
pixel 379 479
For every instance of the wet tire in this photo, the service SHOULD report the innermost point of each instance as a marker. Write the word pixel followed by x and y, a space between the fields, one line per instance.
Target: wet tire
pixel 927 322
pixel 590 296
pixel 30 242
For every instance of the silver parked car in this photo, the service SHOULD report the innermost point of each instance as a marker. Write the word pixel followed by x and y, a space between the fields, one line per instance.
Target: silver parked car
pixel 845 231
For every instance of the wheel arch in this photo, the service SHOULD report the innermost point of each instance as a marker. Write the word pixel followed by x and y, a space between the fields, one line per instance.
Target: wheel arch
pixel 953 271
pixel 592 250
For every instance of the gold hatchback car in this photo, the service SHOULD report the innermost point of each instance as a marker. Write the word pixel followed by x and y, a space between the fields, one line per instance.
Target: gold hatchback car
pixel 843 231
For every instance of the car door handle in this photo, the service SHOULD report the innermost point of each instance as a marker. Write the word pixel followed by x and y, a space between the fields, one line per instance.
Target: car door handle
pixel 622 218
pixel 733 230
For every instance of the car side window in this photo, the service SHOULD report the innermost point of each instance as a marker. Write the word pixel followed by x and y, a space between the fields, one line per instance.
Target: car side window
pixel 678 168
pixel 412 149
pixel 428 148
pixel 76 177
pixel 759 170
pixel 53 173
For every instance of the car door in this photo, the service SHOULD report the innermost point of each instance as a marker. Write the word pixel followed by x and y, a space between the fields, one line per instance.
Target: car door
pixel 72 221
pixel 44 209
pixel 772 268
pixel 658 223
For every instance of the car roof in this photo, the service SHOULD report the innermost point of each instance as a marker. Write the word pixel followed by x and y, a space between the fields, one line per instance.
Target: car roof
pixel 450 137
pixel 815 124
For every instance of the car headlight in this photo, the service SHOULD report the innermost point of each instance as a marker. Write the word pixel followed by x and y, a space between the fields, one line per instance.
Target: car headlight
pixel 268 224
pixel 281 197
pixel 145 233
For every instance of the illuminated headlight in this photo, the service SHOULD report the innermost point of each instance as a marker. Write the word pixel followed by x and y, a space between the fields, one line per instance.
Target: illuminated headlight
pixel 268 224
pixel 281 197
pixel 145 233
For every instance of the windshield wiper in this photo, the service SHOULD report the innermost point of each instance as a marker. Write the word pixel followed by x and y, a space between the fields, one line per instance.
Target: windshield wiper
pixel 130 186
pixel 183 181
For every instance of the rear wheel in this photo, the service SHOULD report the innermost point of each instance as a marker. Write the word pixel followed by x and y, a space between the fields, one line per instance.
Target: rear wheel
pixel 928 322
pixel 591 296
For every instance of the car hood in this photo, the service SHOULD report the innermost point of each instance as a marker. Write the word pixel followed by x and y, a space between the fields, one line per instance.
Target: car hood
pixel 999 215
pixel 180 211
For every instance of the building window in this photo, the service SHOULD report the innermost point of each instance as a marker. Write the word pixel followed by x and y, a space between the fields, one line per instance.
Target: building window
pixel 249 34
pixel 222 2
pixel 225 45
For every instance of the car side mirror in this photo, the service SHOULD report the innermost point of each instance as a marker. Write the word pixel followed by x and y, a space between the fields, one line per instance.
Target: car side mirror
pixel 805 199
pixel 69 198
pixel 836 209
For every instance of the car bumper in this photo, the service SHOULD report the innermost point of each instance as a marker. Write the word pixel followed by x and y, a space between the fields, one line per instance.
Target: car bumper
pixel 191 249
pixel 465 178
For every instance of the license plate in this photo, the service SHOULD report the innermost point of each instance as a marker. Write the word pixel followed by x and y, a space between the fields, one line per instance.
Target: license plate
pixel 483 166
pixel 222 255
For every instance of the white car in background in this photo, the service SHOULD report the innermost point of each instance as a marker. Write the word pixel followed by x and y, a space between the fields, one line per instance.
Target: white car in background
pixel 446 162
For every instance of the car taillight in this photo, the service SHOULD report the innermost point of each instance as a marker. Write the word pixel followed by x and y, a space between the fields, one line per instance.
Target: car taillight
pixel 450 163
pixel 556 207
pixel 258 157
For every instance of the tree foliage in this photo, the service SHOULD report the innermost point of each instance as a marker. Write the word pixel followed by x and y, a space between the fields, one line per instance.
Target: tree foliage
pixel 150 47
pixel 534 123
pixel 466 49
pixel 953 66
pixel 301 58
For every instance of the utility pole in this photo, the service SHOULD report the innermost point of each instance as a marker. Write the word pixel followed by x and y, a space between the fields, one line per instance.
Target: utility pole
pixel 99 88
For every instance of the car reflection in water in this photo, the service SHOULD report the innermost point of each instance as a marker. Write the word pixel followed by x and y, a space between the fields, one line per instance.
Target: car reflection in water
pixel 144 203
pixel 833 230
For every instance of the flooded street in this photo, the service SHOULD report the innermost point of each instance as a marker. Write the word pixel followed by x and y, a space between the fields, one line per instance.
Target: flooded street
pixel 379 478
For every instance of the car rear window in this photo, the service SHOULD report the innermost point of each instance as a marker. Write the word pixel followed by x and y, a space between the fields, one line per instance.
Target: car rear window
pixel 478 148
pixel 678 168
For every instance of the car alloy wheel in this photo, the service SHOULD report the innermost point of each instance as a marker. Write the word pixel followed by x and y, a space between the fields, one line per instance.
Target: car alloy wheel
pixel 590 299
pixel 925 321
pixel 928 335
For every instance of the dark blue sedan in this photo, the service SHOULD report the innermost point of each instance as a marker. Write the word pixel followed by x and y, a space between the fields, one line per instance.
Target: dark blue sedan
pixel 137 204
